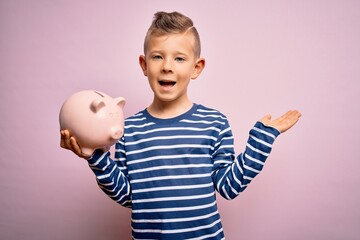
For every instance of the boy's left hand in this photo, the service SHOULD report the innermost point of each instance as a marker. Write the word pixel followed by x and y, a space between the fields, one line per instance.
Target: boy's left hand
pixel 284 122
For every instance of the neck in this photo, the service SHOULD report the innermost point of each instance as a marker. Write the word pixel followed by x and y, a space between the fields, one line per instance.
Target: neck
pixel 171 109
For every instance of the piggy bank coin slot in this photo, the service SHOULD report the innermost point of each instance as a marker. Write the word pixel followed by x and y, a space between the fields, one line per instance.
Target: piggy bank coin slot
pixel 99 93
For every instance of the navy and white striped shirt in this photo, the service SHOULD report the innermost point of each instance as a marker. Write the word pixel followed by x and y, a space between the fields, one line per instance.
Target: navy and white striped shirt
pixel 167 171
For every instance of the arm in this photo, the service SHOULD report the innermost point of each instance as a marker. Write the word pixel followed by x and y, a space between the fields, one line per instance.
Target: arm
pixel 231 176
pixel 111 174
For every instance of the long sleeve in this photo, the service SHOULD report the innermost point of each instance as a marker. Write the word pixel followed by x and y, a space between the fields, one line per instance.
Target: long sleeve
pixel 111 175
pixel 231 176
pixel 173 166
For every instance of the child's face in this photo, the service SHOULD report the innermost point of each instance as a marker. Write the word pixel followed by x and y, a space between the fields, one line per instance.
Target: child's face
pixel 170 64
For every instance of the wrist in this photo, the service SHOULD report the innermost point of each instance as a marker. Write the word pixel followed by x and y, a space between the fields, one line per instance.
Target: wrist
pixel 95 156
pixel 269 129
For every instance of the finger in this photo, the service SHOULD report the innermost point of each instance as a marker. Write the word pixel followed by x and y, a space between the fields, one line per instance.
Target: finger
pixel 67 141
pixel 285 115
pixel 66 133
pixel 288 116
pixel 64 140
pixel 75 146
pixel 294 115
pixel 297 114
pixel 77 149
pixel 291 120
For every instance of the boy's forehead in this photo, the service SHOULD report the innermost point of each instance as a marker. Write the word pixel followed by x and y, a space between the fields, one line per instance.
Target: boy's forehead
pixel 179 40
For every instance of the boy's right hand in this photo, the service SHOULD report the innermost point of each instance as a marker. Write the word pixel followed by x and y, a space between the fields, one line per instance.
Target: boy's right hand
pixel 69 142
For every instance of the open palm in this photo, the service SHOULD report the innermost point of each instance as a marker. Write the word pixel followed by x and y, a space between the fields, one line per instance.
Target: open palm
pixel 284 122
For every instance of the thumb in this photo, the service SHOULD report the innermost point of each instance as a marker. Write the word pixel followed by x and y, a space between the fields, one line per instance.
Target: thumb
pixel 265 119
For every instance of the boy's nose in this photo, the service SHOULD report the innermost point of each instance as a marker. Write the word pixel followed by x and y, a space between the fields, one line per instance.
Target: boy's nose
pixel 167 66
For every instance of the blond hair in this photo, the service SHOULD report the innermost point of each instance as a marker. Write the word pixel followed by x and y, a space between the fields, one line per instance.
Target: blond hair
pixel 171 23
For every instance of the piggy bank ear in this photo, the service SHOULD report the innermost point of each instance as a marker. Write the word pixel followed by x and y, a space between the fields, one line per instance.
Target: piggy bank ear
pixel 120 102
pixel 96 105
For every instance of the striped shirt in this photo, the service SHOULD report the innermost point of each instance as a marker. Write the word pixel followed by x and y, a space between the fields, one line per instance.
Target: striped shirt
pixel 167 171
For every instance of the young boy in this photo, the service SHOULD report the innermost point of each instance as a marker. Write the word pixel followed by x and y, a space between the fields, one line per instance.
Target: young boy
pixel 175 154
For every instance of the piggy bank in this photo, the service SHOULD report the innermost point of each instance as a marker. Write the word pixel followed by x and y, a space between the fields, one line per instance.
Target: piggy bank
pixel 95 119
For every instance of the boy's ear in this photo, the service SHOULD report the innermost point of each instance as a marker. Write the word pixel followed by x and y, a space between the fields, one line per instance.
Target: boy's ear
pixel 199 66
pixel 143 64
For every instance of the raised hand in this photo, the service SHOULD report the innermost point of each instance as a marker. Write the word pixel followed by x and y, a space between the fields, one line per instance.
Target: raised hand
pixel 69 142
pixel 284 122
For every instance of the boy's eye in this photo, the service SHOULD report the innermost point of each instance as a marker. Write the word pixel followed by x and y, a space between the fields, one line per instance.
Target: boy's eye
pixel 156 57
pixel 179 59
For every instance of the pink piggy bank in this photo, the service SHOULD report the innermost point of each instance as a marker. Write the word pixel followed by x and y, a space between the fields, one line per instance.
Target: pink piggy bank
pixel 95 119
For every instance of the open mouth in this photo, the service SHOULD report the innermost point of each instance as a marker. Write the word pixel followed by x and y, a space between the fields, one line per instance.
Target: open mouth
pixel 167 84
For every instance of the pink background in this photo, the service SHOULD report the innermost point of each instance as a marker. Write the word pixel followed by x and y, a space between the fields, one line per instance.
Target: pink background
pixel 262 57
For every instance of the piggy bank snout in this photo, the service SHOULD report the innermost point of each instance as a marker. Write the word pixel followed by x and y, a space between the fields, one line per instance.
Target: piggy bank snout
pixel 116 134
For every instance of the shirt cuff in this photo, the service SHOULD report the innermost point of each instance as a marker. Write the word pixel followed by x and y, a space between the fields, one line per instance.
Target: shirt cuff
pixel 266 133
pixel 95 157
pixel 268 129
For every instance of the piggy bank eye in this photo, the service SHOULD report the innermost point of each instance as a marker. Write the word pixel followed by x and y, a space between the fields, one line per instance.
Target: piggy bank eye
pixel 96 105
pixel 111 115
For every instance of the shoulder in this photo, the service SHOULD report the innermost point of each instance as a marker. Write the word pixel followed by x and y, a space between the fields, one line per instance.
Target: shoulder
pixel 210 117
pixel 210 112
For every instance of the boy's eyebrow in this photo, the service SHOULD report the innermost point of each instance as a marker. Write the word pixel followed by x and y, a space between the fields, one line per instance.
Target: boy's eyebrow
pixel 154 52
pixel 161 52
